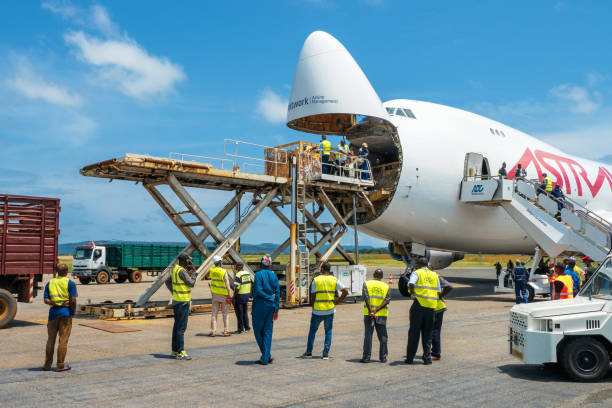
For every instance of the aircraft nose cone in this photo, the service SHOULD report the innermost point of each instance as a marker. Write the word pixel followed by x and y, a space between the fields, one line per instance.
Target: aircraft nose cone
pixel 320 42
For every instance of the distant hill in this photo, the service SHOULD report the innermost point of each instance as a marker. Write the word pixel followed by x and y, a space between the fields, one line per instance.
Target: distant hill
pixel 264 248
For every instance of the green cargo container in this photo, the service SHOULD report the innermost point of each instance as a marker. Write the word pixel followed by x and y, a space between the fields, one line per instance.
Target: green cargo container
pixel 143 256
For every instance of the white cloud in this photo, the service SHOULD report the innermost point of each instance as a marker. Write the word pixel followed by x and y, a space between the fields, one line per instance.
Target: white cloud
pixel 65 9
pixel 95 17
pixel 126 66
pixel 581 99
pixel 32 86
pixel 102 21
pixel 272 107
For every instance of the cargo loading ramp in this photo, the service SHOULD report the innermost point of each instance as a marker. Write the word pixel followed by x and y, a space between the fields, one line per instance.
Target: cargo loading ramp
pixel 271 190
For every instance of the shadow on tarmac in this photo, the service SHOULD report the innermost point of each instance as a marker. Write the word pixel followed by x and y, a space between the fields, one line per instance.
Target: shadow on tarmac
pixel 163 356
pixel 245 363
pixel 541 373
pixel 23 323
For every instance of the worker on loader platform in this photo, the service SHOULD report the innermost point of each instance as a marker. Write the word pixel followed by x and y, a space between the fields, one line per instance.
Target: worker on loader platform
pixel 180 282
pixel 221 296
pixel 343 151
pixel 325 148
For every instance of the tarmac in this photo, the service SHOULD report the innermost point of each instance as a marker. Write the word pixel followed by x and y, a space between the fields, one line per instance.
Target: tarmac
pixel 134 369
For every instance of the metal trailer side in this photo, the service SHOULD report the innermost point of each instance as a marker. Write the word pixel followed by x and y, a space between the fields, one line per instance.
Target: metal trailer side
pixel 29 229
pixel 145 256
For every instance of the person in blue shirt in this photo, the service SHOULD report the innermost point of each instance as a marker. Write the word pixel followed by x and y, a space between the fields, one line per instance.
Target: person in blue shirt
pixel 264 311
pixel 569 270
pixel 559 198
pixel 520 274
pixel 60 294
pixel 363 153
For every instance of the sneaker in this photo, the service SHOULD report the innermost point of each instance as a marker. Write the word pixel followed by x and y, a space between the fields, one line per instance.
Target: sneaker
pixel 174 353
pixel 364 360
pixel 183 356
pixel 325 356
pixel 383 360
pixel 307 355
pixel 260 362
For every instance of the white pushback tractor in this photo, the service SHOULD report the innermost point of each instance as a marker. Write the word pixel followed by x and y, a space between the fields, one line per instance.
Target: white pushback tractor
pixel 574 333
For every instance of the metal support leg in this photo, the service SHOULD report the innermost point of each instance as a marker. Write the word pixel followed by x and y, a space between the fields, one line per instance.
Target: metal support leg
pixel 284 245
pixel 330 234
pixel 154 287
pixel 355 228
pixel 536 261
pixel 313 219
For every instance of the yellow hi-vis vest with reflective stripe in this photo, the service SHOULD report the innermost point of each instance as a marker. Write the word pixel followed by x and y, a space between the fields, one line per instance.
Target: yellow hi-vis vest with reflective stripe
pixel 548 182
pixel 325 290
pixel 325 146
pixel 342 150
pixel 426 288
pixel 245 282
pixel 217 283
pixel 58 290
pixel 440 305
pixel 377 292
pixel 180 291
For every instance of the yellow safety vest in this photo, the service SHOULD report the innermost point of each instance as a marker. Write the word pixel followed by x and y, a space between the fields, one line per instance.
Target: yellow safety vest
pixel 326 146
pixel 58 290
pixel 342 150
pixel 426 288
pixel 548 183
pixel 325 290
pixel 567 292
pixel 245 282
pixel 180 291
pixel 440 305
pixel 217 283
pixel 377 292
pixel 579 272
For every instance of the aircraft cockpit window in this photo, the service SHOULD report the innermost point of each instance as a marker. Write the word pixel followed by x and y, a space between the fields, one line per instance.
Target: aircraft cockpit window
pixel 409 113
pixel 400 112
pixel 390 111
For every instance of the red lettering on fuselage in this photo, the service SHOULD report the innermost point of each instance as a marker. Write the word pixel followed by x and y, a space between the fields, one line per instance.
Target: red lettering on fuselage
pixel 555 167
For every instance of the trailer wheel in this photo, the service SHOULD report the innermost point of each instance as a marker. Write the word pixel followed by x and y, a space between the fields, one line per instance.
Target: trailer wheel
pixel 85 281
pixel 585 359
pixel 530 294
pixel 135 276
pixel 8 307
pixel 120 279
pixel 103 277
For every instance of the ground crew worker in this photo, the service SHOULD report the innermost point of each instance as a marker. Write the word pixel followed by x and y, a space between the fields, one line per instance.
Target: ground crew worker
pixel 546 184
pixel 436 344
pixel 520 173
pixel 376 299
pixel 343 150
pixel 242 284
pixel 60 294
pixel 552 274
pixel 590 267
pixel 424 286
pixel 564 285
pixel 502 172
pixel 322 293
pixel 577 269
pixel 520 274
pixel 180 282
pixel 570 270
pixel 559 198
pixel 266 298
pixel 221 296
pixel 325 148
pixel 363 154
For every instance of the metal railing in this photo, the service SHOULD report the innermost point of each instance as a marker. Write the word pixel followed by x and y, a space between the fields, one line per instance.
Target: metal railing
pixel 199 159
pixel 231 146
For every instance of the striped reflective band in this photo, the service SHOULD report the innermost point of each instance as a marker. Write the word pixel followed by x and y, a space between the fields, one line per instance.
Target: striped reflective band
pixel 427 287
pixel 426 297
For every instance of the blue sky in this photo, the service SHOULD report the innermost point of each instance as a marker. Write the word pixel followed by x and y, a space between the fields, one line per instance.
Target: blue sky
pixel 82 82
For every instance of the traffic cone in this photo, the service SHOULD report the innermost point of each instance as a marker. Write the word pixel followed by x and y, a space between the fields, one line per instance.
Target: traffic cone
pixel 390 280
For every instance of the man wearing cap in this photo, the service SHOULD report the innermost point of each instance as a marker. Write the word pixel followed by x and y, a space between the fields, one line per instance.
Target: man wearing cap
pixel 60 294
pixel 375 311
pixel 363 154
pixel 590 265
pixel 221 296
pixel 322 293
pixel 520 274
pixel 264 311
pixel 180 282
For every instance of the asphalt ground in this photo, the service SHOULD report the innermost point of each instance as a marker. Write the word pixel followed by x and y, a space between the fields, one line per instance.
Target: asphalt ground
pixel 134 369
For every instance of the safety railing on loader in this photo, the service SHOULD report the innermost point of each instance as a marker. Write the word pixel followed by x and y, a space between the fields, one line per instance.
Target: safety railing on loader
pixel 273 158
pixel 226 164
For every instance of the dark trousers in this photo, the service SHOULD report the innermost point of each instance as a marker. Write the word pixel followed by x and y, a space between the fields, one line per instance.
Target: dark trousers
pixel 181 314
pixel 324 164
pixel 520 290
pixel 436 345
pixel 340 167
pixel 242 315
pixel 421 325
pixel 263 326
pixel 63 327
pixel 328 325
pixel 380 324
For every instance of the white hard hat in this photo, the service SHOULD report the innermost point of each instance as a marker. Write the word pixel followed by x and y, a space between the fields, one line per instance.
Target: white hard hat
pixel 217 259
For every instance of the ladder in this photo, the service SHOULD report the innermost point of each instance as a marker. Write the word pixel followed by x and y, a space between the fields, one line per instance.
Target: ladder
pixel 302 240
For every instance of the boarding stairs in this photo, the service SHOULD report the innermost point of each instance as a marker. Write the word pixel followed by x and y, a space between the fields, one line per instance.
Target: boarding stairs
pixel 534 210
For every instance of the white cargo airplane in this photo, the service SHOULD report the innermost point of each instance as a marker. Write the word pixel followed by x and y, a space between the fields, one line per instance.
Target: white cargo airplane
pixel 423 147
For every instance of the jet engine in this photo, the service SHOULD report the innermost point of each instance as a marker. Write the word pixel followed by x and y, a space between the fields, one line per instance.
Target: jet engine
pixel 437 259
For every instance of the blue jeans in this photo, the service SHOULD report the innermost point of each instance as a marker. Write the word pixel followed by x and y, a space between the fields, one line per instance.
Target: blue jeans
pixel 324 163
pixel 181 314
pixel 263 325
pixel 520 290
pixel 328 324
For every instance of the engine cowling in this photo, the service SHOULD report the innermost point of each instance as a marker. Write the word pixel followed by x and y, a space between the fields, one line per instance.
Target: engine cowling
pixel 437 259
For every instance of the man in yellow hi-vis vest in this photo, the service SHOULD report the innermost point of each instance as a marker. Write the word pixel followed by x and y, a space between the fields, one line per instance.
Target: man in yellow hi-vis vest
pixel 322 294
pixel 221 291
pixel 436 343
pixel 325 148
pixel 424 287
pixel 547 184
pixel 242 295
pixel 343 151
pixel 375 311
pixel 181 280
pixel 60 294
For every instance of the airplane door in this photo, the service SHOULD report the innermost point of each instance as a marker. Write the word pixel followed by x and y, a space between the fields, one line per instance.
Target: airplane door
pixel 472 168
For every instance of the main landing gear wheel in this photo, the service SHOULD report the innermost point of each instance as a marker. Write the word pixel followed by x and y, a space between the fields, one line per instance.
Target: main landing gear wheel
pixel 585 359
